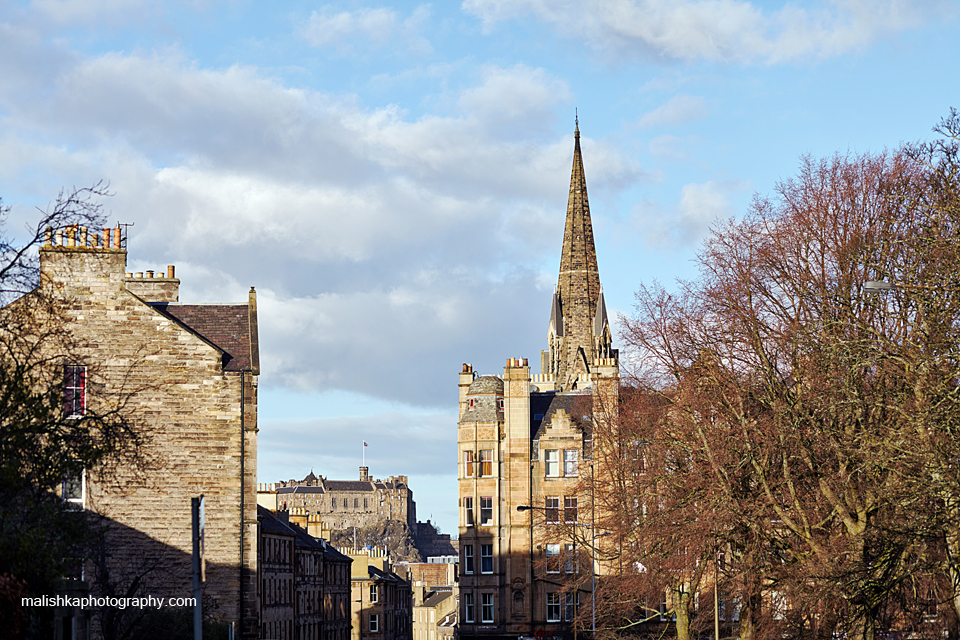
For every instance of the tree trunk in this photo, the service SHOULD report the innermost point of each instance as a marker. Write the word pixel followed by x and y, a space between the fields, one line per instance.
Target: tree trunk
pixel 682 604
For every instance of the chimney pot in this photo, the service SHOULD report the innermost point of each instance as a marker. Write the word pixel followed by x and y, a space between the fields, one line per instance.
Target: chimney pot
pixel 106 238
pixel 149 273
pixel 116 237
pixel 138 274
pixel 171 271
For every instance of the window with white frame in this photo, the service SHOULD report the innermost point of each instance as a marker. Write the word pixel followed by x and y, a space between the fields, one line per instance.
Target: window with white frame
pixel 551 462
pixel 468 558
pixel 374 623
pixel 553 558
pixel 468 464
pixel 551 509
pixel 486 462
pixel 569 559
pixel 486 510
pixel 468 607
pixel 373 593
pixel 570 462
pixel 570 509
pixel 468 511
pixel 553 607
pixel 486 610
pixel 486 558
pixel 571 602
pixel 74 390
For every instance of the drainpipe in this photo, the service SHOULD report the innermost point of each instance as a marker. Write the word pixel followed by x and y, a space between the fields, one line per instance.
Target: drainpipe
pixel 243 459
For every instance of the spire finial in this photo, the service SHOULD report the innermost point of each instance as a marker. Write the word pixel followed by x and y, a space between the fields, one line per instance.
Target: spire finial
pixel 576 122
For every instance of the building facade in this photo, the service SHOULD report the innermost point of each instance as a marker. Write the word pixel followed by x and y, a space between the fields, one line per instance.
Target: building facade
pixel 304 582
pixel 381 600
pixel 432 609
pixel 186 374
pixel 525 441
pixel 343 504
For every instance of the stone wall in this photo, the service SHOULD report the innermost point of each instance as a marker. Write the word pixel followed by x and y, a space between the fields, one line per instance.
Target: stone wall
pixel 200 423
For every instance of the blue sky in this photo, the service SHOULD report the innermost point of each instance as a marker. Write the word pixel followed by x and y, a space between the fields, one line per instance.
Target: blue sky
pixel 392 177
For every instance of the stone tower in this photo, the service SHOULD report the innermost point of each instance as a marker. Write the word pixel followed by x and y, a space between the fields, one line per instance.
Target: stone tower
pixel 578 332
pixel 525 446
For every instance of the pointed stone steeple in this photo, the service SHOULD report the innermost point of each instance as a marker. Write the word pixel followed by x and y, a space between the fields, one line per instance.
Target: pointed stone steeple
pixel 575 340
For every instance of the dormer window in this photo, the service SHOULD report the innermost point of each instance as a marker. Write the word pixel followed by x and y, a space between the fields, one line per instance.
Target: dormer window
pixel 500 404
pixel 473 402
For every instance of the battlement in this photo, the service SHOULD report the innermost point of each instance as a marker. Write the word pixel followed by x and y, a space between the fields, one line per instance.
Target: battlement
pixel 605 362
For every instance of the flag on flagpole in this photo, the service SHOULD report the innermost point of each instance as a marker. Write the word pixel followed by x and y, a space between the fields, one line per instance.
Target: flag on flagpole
pixel 365 443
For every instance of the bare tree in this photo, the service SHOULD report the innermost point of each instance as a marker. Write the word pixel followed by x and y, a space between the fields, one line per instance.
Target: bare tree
pixel 42 444
pixel 803 412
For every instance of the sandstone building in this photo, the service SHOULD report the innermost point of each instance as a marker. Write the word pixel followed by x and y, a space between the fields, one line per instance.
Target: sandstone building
pixel 304 581
pixel 382 600
pixel 343 504
pixel 524 440
pixel 188 375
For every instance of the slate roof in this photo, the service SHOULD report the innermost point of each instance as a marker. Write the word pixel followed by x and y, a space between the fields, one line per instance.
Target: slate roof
pixel 229 327
pixel 436 598
pixel 485 394
pixel 331 553
pixel 486 384
pixel 272 524
pixel 304 539
pixel 547 404
pixel 300 489
pixel 348 485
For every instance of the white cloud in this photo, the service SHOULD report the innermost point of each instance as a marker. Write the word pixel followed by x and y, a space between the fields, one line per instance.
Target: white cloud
pixel 698 207
pixel 347 30
pixel 719 30
pixel 673 148
pixel 99 12
pixel 519 94
pixel 375 242
pixel 679 109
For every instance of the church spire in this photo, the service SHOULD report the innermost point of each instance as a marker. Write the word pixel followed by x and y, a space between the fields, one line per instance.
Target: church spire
pixel 573 345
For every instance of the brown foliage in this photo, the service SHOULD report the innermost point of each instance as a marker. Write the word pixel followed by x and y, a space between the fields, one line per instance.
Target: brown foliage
pixel 803 427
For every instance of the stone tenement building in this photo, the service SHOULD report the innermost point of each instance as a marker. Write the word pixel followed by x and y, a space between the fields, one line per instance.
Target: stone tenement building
pixel 304 581
pixel 525 440
pixel 188 374
pixel 382 600
pixel 343 504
